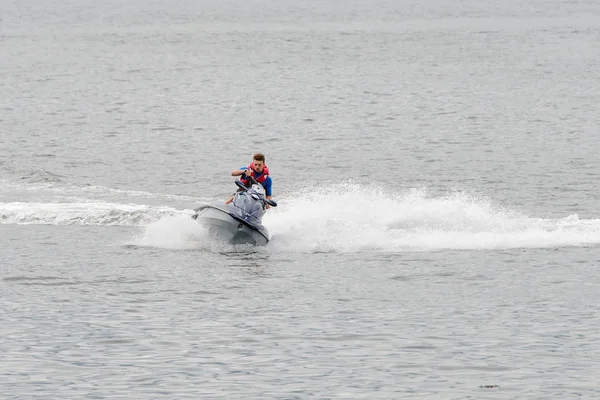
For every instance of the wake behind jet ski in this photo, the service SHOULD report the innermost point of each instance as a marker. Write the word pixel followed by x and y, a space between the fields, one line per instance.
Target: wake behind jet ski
pixel 239 222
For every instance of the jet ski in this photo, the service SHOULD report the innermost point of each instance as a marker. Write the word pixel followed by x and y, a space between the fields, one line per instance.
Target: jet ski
pixel 238 222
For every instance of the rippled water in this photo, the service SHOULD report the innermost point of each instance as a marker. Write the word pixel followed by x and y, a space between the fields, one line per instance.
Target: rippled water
pixel 437 174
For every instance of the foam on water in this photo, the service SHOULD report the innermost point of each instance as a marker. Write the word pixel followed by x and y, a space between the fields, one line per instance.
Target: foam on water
pixel 173 232
pixel 181 232
pixel 351 217
pixel 82 213
pixel 342 218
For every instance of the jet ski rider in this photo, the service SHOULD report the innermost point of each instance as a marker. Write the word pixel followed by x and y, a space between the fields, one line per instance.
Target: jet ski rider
pixel 257 169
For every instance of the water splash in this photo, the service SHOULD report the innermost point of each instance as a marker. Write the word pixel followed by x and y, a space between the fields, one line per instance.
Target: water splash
pixel 173 232
pixel 336 218
pixel 353 218
pixel 181 232
pixel 82 213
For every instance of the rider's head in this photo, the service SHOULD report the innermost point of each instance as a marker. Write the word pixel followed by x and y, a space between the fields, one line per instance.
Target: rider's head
pixel 258 161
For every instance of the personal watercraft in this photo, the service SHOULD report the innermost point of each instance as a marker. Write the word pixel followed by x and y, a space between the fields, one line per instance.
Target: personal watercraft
pixel 238 222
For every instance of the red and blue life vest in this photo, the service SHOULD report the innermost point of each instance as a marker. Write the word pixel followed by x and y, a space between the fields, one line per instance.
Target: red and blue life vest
pixel 260 179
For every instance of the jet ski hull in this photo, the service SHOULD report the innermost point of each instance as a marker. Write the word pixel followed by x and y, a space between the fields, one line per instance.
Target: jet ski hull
pixel 233 230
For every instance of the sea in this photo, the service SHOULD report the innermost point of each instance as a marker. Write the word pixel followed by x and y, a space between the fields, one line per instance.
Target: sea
pixel 436 165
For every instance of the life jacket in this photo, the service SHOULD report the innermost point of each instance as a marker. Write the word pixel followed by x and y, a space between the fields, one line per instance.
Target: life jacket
pixel 261 179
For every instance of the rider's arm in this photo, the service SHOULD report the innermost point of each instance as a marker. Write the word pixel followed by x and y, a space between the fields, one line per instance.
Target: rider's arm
pixel 268 185
pixel 239 172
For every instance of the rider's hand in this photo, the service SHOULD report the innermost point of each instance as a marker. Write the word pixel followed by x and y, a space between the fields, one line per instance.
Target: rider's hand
pixel 247 172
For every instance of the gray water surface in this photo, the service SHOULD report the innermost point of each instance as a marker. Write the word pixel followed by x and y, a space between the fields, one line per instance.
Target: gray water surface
pixel 437 174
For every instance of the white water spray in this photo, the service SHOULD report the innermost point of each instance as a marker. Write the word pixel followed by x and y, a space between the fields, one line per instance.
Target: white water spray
pixel 354 218
pixel 336 218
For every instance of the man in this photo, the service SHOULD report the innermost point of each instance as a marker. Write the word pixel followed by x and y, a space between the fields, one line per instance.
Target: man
pixel 259 171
